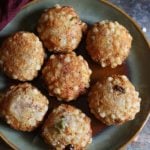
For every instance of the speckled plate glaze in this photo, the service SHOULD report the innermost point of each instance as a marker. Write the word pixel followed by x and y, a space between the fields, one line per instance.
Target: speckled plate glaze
pixel 137 68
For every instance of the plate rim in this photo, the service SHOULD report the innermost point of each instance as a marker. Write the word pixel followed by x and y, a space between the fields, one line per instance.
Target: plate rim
pixel 137 26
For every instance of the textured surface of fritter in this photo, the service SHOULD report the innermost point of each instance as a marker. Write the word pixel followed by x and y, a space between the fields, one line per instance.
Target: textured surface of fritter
pixel 60 29
pixel 21 56
pixel 114 101
pixel 108 43
pixel 24 107
pixel 67 127
pixel 66 76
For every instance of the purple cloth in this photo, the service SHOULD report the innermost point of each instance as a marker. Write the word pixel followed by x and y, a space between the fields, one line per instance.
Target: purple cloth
pixel 8 10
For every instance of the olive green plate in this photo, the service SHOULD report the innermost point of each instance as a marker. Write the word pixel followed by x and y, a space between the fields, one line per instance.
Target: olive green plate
pixel 137 67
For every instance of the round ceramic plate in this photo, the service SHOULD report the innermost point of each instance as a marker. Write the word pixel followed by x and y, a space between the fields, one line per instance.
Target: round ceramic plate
pixel 137 68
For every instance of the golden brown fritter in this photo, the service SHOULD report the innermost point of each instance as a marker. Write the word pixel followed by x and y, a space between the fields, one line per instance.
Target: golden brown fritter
pixel 66 76
pixel 67 127
pixel 21 56
pixel 114 101
pixel 24 107
pixel 108 43
pixel 60 29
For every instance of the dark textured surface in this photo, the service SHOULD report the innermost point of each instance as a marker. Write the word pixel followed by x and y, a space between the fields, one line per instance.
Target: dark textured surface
pixel 140 11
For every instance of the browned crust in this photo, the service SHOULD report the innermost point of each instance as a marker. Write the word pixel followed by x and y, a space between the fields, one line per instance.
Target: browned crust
pixel 67 76
pixel 108 43
pixel 22 56
pixel 114 101
pixel 60 29
pixel 57 114
pixel 8 100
